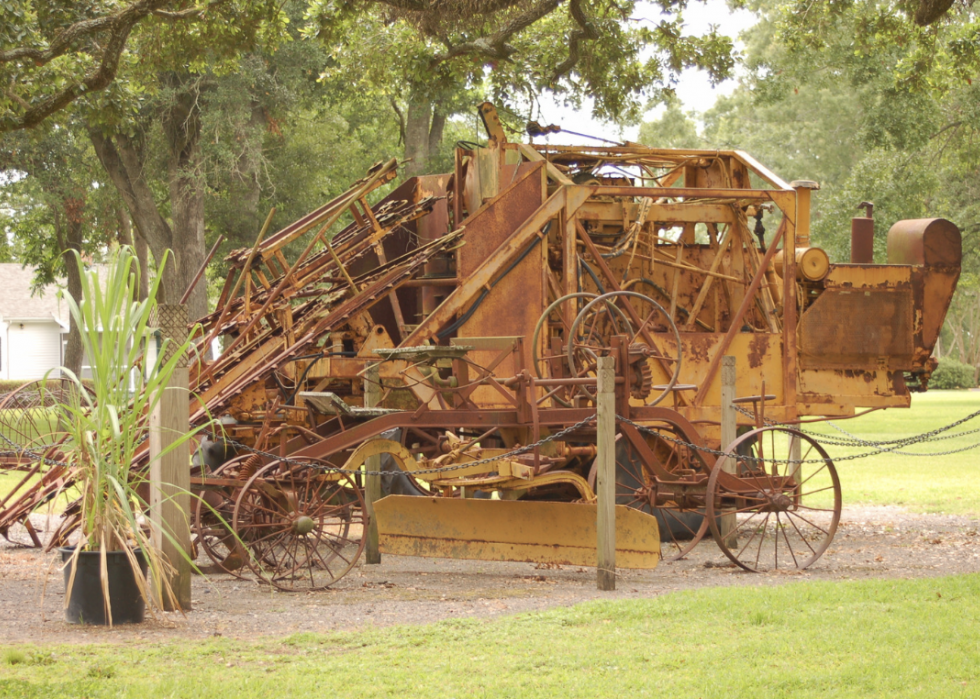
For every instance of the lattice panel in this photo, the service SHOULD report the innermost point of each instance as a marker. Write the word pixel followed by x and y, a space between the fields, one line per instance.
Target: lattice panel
pixel 172 320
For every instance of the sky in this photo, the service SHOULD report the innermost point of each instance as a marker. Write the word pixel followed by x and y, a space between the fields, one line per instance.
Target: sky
pixel 694 90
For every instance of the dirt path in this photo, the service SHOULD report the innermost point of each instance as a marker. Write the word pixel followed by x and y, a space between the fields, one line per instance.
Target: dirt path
pixel 872 542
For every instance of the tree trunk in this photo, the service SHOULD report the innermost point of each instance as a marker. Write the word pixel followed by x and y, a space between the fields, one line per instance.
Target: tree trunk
pixel 417 125
pixel 68 232
pixel 143 256
pixel 126 237
pixel 435 131
pixel 424 125
pixel 124 161
pixel 182 127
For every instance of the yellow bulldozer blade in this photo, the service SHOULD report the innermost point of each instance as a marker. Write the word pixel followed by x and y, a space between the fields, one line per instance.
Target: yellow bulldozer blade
pixel 504 530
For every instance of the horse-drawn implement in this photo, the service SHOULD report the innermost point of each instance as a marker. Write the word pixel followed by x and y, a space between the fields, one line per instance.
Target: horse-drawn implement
pixel 471 308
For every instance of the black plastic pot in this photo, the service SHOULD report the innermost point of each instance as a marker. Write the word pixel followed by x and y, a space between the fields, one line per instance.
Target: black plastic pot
pixel 86 603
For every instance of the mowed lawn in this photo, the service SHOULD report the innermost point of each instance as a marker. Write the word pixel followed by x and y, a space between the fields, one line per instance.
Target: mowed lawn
pixel 894 638
pixel 949 484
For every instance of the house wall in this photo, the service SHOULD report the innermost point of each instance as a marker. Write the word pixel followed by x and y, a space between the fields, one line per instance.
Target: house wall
pixel 29 349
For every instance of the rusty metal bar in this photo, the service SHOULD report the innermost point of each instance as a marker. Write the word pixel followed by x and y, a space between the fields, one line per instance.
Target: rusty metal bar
pixel 736 325
pixel 200 271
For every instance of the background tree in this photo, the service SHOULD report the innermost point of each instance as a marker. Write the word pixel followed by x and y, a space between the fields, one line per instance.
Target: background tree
pixel 53 208
pixel 430 60
pixel 872 106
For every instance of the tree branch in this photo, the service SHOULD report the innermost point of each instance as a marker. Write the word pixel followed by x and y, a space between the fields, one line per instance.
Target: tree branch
pixel 587 32
pixel 495 45
pixel 118 25
pixel 190 13
pixel 401 120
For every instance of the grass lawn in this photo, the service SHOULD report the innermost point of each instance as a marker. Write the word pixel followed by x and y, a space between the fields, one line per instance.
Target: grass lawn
pixel 905 638
pixel 920 483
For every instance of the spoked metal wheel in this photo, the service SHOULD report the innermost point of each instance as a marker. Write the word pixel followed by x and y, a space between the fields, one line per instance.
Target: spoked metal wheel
pixel 33 420
pixel 214 509
pixel 590 337
pixel 303 528
pixel 771 512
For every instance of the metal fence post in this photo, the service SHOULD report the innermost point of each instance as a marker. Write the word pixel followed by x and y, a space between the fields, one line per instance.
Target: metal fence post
pixel 372 484
pixel 606 474
pixel 729 431
pixel 170 474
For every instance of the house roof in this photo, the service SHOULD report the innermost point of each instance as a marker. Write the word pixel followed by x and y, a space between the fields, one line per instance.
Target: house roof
pixel 16 301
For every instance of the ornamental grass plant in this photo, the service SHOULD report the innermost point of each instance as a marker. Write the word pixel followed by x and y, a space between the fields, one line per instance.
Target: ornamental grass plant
pixel 108 424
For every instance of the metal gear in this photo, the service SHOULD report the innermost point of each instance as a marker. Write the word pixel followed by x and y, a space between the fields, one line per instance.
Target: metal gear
pixel 641 378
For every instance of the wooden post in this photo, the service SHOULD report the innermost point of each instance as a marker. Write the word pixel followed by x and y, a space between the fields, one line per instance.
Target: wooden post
pixel 606 475
pixel 729 430
pixel 372 484
pixel 795 454
pixel 170 474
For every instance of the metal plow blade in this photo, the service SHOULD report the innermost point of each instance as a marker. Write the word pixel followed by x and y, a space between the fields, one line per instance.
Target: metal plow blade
pixel 502 530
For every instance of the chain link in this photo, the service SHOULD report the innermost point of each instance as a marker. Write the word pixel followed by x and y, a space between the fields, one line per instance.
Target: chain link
pixel 895 445
pixel 27 452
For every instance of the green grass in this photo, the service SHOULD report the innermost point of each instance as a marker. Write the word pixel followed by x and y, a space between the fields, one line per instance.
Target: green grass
pixel 37 422
pixel 899 638
pixel 921 483
pixel 43 424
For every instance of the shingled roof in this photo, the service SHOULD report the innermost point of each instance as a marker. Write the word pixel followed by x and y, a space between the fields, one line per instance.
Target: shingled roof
pixel 16 301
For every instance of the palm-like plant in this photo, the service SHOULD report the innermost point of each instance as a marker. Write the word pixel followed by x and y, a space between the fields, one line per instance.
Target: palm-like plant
pixel 109 423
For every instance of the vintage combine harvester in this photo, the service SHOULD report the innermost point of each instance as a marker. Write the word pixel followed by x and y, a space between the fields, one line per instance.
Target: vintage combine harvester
pixel 484 297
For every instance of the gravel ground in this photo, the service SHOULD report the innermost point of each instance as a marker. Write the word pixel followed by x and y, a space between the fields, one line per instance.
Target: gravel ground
pixel 872 542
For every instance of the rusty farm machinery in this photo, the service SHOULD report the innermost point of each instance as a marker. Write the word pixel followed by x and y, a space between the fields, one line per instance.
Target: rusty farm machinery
pixel 447 338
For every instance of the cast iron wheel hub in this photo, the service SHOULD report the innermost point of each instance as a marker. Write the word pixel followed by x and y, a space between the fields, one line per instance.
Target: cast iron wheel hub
pixel 304 525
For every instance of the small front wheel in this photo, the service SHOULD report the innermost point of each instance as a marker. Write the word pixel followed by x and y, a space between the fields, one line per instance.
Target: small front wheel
pixel 771 510
pixel 303 527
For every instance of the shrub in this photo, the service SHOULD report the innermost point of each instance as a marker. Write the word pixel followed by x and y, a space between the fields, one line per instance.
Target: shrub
pixel 952 374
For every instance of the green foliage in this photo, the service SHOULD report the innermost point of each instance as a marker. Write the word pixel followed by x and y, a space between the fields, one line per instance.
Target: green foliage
pixel 900 188
pixel 674 129
pixel 953 374
pixel 393 56
pixel 53 52
pixel 55 196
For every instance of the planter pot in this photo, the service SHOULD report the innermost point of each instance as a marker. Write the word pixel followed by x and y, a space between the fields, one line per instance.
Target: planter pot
pixel 86 603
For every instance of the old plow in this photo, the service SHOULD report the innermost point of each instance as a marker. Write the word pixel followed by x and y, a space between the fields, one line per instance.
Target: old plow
pixel 448 337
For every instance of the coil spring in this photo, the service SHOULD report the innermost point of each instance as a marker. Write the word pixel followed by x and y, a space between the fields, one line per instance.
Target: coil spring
pixel 249 467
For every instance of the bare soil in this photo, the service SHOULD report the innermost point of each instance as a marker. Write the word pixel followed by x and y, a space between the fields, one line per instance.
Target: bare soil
pixel 872 542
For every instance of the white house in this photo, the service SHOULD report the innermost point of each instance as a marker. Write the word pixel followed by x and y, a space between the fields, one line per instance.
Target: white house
pixel 32 328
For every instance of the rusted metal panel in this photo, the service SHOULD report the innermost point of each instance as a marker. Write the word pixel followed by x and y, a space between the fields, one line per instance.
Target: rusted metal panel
pixel 925 241
pixel 516 300
pixel 864 328
pixel 533 532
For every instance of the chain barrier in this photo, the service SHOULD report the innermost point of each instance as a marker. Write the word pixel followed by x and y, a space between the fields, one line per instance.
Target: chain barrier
pixel 31 454
pixel 882 446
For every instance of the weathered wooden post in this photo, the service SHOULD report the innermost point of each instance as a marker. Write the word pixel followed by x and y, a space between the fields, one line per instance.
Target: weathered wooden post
pixel 372 484
pixel 606 474
pixel 795 454
pixel 729 431
pixel 170 473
